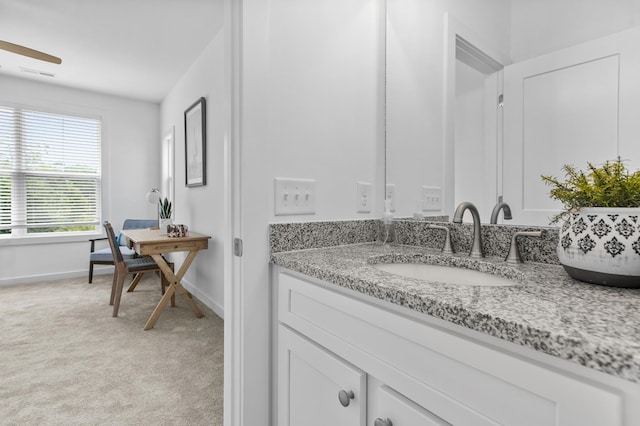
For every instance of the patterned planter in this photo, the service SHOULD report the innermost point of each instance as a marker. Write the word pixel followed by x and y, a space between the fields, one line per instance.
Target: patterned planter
pixel 601 245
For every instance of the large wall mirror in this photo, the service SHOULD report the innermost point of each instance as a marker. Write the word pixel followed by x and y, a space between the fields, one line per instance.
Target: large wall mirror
pixel 484 96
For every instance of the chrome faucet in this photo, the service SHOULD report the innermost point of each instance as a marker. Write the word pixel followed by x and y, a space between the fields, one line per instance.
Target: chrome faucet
pixel 476 248
pixel 496 211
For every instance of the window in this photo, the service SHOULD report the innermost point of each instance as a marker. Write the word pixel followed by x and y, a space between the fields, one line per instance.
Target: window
pixel 50 175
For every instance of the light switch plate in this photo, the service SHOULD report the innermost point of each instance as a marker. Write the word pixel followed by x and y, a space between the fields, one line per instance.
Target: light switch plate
pixel 294 196
pixel 431 198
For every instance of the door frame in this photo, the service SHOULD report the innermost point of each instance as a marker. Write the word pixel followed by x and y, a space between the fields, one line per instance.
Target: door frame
pixel 247 396
pixel 232 210
pixel 482 54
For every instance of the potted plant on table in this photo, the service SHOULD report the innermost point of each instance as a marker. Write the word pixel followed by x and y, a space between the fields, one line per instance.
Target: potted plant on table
pixel 164 212
pixel 600 237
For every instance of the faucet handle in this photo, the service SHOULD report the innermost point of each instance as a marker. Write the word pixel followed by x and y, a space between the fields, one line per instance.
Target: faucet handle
pixel 447 248
pixel 514 253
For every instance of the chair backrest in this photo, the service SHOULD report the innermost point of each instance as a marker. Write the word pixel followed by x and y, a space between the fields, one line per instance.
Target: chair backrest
pixel 140 223
pixel 136 224
pixel 115 249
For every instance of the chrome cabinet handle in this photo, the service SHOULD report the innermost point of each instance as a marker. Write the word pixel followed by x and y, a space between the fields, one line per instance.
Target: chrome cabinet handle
pixel 381 422
pixel 345 397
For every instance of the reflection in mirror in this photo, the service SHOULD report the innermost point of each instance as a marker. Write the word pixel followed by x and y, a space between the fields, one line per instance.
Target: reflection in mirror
pixel 475 127
pixel 570 91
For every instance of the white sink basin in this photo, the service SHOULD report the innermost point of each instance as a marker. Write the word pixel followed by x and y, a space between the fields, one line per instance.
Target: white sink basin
pixel 444 274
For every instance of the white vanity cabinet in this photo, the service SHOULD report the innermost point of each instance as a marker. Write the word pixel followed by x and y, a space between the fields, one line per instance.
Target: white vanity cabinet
pixel 404 368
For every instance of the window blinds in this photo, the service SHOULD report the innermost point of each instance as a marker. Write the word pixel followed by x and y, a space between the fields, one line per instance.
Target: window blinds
pixel 50 175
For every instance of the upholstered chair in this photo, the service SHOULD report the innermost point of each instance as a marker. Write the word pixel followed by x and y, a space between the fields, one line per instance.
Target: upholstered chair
pixel 104 256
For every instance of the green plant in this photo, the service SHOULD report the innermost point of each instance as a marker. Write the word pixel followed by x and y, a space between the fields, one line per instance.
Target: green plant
pixel 610 185
pixel 164 208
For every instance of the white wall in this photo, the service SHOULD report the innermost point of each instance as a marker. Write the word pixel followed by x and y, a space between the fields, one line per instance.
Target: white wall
pixel 201 208
pixel 130 164
pixel 543 26
pixel 323 96
pixel 310 107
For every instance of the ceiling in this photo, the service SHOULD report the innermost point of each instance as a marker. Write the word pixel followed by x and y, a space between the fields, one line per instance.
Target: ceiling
pixel 133 48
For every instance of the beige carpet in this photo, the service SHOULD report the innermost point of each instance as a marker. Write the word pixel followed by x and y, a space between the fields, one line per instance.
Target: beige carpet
pixel 64 360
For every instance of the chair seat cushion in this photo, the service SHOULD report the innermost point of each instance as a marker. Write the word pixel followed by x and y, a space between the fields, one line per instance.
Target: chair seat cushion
pixel 104 255
pixel 140 263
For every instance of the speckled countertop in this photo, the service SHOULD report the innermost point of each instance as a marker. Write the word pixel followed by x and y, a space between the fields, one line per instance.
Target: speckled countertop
pixel 595 326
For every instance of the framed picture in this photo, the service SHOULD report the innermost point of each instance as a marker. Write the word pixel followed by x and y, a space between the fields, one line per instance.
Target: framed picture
pixel 195 136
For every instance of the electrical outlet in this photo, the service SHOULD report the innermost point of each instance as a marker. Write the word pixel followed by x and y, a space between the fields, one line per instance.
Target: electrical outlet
pixel 390 194
pixel 295 196
pixel 431 198
pixel 363 197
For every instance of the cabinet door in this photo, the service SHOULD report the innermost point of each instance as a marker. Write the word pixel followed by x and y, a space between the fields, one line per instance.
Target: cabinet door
pixel 315 387
pixel 389 408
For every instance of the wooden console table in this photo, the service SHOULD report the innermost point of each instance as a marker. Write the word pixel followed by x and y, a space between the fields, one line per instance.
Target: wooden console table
pixel 149 242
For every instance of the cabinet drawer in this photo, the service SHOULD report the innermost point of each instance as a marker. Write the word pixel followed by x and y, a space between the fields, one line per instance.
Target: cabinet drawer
pixel 389 408
pixel 461 380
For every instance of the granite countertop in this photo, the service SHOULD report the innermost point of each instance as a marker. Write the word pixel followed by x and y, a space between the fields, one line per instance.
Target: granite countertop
pixel 595 326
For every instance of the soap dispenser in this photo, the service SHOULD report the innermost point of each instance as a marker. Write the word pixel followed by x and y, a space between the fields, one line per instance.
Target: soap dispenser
pixel 419 214
pixel 387 223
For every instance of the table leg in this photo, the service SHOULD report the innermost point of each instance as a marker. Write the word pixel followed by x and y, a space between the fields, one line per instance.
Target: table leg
pixel 189 300
pixel 174 284
pixel 160 307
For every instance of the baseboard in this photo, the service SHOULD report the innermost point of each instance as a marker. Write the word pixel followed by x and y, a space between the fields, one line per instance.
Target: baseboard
pixel 205 299
pixel 30 279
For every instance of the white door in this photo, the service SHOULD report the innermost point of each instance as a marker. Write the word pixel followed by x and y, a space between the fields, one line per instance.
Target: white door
pixel 475 139
pixel 315 387
pixel 574 106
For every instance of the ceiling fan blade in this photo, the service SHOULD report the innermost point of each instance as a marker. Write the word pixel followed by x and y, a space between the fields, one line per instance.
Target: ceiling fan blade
pixel 25 51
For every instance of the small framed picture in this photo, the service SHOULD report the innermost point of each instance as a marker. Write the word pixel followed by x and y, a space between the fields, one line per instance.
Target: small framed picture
pixel 195 137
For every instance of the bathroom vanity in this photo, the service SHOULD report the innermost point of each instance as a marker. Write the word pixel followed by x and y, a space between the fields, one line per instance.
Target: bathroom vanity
pixel 355 345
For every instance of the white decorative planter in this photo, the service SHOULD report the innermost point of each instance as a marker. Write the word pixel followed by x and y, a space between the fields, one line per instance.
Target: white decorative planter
pixel 601 245
pixel 163 223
